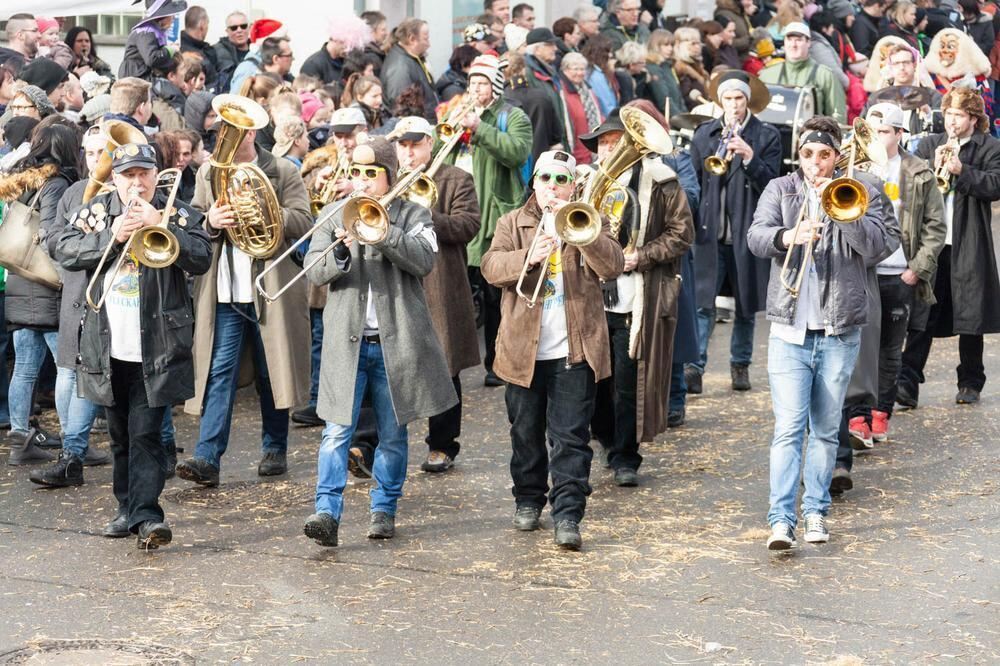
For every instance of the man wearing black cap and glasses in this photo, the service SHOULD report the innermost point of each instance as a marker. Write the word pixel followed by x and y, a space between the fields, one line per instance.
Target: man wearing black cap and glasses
pixel 135 354
pixel 540 57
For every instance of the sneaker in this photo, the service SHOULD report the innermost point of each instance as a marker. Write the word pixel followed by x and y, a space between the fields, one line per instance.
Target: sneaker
pixel 692 377
pixel 626 478
pixel 356 463
pixel 382 525
pixel 675 418
pixel 322 528
pixel 860 434
pixel 782 537
pixel 67 471
pixel 741 377
pixel 274 463
pixel 967 396
pixel 200 471
pixel 880 425
pixel 437 461
pixel 816 531
pixel 153 534
pixel 841 481
pixel 906 395
pixel 307 416
pixel 526 518
pixel 567 535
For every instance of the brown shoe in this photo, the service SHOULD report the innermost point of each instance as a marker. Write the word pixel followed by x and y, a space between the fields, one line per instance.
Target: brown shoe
pixel 437 461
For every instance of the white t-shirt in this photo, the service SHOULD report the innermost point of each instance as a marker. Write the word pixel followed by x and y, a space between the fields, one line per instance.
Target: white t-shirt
pixel 895 263
pixel 241 290
pixel 626 294
pixel 808 310
pixel 122 308
pixel 553 341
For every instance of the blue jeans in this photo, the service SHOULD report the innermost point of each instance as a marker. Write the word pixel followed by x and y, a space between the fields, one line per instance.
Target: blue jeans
pixel 29 353
pixel 741 342
pixel 316 317
pixel 235 323
pixel 76 414
pixel 808 386
pixel 4 380
pixel 389 469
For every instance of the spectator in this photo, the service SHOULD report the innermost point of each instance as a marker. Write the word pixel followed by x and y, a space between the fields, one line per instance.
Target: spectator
pixel 660 65
pixel 568 36
pixel 539 59
pixel 186 142
pixel 941 15
pixel 365 93
pixel 798 70
pixel 291 140
pixel 405 66
pixel 692 78
pixel 379 27
pixel 345 33
pixel 479 37
pixel 535 102
pixel 455 81
pixel 600 75
pixel 95 109
pixel 30 101
pixel 22 35
pixel 621 23
pixel 978 24
pixel 587 17
pixel 496 27
pixel 200 117
pixel 170 92
pixel 193 41
pixel 718 49
pixel 73 99
pixel 633 79
pixel 274 57
pixel 48 76
pixel 147 53
pixel 737 12
pixel 130 102
pixel 85 53
pixel 865 31
pixel 821 48
pixel 581 105
pixel 231 49
pixel 311 105
pixel 515 37
pixel 498 8
pixel 523 16
pixel 49 44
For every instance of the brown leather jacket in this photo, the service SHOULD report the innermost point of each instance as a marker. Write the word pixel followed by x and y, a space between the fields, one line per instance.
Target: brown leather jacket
pixel 520 326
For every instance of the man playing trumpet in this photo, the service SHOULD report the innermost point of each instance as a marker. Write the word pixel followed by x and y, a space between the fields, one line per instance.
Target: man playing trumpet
pixel 815 328
pixel 966 287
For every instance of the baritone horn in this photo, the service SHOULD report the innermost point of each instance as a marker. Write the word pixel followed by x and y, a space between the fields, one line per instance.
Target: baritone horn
pixel 579 222
pixel 365 220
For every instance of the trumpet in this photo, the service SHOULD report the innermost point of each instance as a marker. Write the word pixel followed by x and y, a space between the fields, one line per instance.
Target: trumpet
pixel 365 220
pixel 328 192
pixel 941 174
pixel 424 191
pixel 154 246
pixel 718 164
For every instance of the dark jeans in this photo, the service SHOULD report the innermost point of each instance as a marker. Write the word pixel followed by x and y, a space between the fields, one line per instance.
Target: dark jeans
pixel 897 301
pixel 491 315
pixel 741 340
pixel 971 373
pixel 444 429
pixel 678 387
pixel 316 318
pixel 845 454
pixel 4 338
pixel 140 458
pixel 614 423
pixel 559 403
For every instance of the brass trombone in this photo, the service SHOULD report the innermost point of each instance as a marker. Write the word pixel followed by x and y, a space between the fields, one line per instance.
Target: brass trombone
pixel 155 246
pixel 365 219
pixel 718 163
pixel 941 174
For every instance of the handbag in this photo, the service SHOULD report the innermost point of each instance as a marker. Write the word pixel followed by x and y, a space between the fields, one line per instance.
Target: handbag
pixel 21 250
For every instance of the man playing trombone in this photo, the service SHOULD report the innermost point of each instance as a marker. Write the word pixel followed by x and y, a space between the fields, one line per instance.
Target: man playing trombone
pixel 735 157
pixel 967 162
pixel 136 352
pixel 378 335
pixel 815 329
pixel 551 355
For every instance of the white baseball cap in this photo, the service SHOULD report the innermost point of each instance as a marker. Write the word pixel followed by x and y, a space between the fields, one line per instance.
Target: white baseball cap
pixel 886 113
pixel 347 118
pixel 796 28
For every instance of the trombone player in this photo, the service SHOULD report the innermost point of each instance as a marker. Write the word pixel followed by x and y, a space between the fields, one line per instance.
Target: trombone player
pixel 735 157
pixel 377 338
pixel 967 289
pixel 230 314
pixel 553 355
pixel 135 354
pixel 816 326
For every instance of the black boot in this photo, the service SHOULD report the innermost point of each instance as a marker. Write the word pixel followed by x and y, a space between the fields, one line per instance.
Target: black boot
pixel 567 535
pixel 741 377
pixel 200 471
pixel 67 471
pixel 272 464
pixel 171 460
pixel 27 451
pixel 118 528
pixel 322 528
pixel 307 416
pixel 152 535
pixel 692 377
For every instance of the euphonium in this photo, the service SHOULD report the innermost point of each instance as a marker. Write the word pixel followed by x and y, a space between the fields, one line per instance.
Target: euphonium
pixel 118 133
pixel 259 228
pixel 579 222
pixel 941 174
pixel 718 164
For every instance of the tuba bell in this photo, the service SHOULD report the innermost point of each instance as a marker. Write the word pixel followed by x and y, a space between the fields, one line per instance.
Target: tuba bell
pixel 259 228
pixel 118 133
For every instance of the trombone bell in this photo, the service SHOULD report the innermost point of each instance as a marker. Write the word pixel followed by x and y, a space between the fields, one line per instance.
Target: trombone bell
pixel 156 247
pixel 578 224
pixel 844 200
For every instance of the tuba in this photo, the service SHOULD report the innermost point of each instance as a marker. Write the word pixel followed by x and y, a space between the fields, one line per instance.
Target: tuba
pixel 259 229
pixel 579 222
pixel 118 133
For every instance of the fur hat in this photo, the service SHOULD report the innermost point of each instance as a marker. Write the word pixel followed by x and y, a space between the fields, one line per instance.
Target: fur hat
pixel 380 152
pixel 970 101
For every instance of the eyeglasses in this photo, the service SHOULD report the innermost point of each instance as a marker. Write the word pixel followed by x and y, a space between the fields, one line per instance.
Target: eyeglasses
pixel 20 107
pixel 559 178
pixel 238 26
pixel 897 63
pixel 366 172
pixel 285 55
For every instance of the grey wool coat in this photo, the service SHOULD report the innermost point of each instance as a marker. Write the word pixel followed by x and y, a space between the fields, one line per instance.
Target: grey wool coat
pixel 419 379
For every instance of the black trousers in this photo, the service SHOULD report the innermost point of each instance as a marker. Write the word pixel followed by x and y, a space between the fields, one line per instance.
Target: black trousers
pixel 140 459
pixel 613 424
pixel 491 315
pixel 897 302
pixel 558 404
pixel 971 373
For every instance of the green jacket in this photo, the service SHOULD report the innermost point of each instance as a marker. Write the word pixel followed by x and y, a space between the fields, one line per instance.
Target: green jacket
pixel 829 93
pixel 497 158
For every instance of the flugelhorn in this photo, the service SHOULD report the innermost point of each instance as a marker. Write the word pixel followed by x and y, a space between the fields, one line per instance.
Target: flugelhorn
pixel 942 176
pixel 718 163
pixel 155 247
pixel 365 219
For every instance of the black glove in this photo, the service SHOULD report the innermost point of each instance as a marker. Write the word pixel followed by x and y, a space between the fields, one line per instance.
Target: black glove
pixel 342 253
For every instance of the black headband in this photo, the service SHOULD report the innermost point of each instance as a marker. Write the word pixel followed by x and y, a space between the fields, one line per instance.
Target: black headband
pixel 819 136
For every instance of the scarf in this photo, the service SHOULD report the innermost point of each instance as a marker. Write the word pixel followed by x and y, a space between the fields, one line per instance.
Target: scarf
pixel 589 105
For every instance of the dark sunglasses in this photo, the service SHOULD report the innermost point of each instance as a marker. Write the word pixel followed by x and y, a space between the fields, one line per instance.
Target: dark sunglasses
pixel 368 172
pixel 559 178
pixel 238 26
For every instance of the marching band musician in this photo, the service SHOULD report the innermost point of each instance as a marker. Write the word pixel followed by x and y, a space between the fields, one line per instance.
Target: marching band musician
pixel 728 203
pixel 640 305
pixel 966 285
pixel 798 70
pixel 815 333
pixel 135 354
pixel 231 316
pixel 377 337
pixel 551 356
pixel 449 295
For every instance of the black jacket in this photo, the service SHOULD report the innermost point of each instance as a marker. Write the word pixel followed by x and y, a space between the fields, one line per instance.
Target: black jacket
pixel 323 67
pixel 164 304
pixel 209 58
pixel 450 84
pixel 537 105
pixel 865 33
pixel 227 57
pixel 400 71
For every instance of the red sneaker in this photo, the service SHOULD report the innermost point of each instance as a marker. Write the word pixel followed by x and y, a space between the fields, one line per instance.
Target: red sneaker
pixel 861 434
pixel 880 426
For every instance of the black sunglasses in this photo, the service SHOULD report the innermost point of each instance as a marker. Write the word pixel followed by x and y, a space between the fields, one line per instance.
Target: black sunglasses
pixel 238 26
